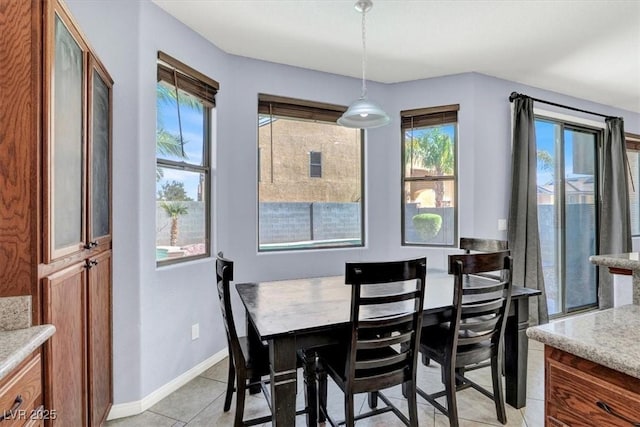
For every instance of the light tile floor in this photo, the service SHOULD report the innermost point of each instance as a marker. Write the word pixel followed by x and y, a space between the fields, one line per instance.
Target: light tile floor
pixel 199 403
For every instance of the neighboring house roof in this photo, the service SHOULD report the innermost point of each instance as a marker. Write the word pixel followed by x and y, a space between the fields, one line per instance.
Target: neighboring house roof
pixel 573 185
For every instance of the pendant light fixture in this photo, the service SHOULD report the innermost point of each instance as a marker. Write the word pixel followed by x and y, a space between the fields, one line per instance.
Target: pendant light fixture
pixel 364 113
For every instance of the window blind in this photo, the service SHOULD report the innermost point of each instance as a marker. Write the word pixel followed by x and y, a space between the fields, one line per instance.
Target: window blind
pixel 434 116
pixel 188 79
pixel 299 109
pixel 632 141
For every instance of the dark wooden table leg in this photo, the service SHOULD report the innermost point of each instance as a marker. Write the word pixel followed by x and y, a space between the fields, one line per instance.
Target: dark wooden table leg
pixel 254 343
pixel 516 353
pixel 282 355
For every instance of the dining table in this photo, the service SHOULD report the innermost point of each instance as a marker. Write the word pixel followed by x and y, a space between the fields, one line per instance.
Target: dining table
pixel 312 312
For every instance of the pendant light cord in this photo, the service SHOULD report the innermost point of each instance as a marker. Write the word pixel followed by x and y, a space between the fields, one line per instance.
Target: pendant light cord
pixel 364 53
pixel 175 83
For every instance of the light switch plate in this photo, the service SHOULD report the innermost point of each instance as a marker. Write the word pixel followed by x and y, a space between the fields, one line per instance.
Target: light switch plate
pixel 195 331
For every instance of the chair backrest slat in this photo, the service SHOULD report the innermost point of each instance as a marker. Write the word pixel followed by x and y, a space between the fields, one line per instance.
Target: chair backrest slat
pixel 386 321
pixel 389 321
pixel 384 341
pixel 483 308
pixel 478 263
pixel 479 325
pixel 485 288
pixel 382 362
pixel 389 298
pixel 482 245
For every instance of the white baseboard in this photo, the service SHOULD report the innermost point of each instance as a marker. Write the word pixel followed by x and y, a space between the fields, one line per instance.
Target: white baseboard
pixel 128 409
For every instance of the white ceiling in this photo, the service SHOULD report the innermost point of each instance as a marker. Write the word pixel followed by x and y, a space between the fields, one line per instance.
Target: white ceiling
pixel 589 49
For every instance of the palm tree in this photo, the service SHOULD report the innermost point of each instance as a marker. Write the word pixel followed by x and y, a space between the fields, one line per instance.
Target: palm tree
pixel 433 150
pixel 174 210
pixel 167 143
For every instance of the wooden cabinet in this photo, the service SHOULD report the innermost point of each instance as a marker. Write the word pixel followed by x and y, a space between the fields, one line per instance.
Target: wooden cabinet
pixel 77 170
pixel 76 267
pixel 55 198
pixel 64 295
pixel 21 394
pixel 77 301
pixel 579 392
pixel 99 337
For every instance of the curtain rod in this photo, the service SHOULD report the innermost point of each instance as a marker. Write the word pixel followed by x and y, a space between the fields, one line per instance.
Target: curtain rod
pixel 516 95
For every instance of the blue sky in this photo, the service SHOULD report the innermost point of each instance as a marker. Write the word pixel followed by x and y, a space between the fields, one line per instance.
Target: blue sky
pixel 545 138
pixel 192 134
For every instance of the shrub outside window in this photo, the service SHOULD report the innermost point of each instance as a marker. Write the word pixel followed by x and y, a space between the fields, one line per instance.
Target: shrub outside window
pixel 429 183
pixel 183 143
pixel 309 176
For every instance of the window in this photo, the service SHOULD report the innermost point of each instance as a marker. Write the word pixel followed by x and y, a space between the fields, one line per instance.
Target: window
pixel 296 210
pixel 429 183
pixel 315 164
pixel 184 100
pixel 633 155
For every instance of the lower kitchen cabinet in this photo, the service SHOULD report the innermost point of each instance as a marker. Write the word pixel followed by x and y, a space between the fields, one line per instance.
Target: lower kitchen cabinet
pixel 21 395
pixel 579 392
pixel 77 300
pixel 99 338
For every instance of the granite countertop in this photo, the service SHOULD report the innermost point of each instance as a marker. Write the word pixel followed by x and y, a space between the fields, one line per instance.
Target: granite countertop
pixel 17 344
pixel 629 261
pixel 609 337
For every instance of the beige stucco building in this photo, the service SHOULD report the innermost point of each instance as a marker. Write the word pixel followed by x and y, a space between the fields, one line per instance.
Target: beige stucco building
pixel 284 161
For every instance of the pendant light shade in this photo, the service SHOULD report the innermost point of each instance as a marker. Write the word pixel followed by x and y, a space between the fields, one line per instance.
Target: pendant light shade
pixel 363 113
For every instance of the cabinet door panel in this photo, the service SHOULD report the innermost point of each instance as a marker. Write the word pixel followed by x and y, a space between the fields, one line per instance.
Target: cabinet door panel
pixel 66 140
pixel 64 307
pixel 99 154
pixel 99 338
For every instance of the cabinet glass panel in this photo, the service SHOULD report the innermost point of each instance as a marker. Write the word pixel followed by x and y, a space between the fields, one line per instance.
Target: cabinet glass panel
pixel 100 158
pixel 67 155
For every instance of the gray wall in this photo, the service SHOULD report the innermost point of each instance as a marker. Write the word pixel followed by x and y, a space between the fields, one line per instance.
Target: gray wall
pixel 299 221
pixel 154 308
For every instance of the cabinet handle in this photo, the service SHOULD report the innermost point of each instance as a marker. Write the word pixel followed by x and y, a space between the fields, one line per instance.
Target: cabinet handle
pixel 90 263
pixel 611 411
pixel 16 404
pixel 91 245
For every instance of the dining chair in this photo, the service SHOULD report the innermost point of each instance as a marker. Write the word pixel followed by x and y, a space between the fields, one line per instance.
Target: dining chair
pixel 475 333
pixel 382 349
pixel 249 363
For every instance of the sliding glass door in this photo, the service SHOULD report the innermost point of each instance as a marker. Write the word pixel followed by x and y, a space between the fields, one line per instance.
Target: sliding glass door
pixel 567 196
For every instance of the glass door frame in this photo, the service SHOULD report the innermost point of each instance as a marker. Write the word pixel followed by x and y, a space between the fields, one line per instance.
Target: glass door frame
pixel 560 207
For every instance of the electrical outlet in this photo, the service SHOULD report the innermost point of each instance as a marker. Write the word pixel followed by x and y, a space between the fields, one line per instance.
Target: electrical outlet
pixel 502 225
pixel 195 331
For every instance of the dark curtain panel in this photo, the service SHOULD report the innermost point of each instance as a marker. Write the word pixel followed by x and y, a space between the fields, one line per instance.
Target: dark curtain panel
pixel 615 222
pixel 524 239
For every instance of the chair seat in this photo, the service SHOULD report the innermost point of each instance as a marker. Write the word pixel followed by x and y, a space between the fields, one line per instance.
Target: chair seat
pixel 433 344
pixel 258 365
pixel 370 379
